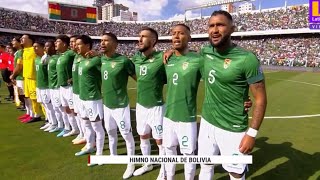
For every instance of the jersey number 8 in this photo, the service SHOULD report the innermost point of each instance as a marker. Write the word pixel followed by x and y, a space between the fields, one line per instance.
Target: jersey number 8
pixel 105 75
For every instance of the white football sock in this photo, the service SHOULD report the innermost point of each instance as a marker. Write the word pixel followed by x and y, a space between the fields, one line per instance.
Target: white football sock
pixel 58 115
pixel 65 119
pixel 128 137
pixel 113 141
pixel 189 170
pixel 170 168
pixel 100 136
pixel 78 120
pixel 161 153
pixel 73 122
pixel 27 104
pixel 206 171
pixel 145 147
pixel 50 113
pixel 90 134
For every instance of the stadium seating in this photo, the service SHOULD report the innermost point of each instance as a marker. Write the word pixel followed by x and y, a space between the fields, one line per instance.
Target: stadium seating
pixel 271 50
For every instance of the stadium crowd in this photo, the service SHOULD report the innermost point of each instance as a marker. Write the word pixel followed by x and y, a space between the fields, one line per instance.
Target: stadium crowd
pixel 285 51
pixel 290 18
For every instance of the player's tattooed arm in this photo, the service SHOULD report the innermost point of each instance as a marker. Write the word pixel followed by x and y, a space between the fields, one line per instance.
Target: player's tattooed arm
pixel 259 94
pixel 259 108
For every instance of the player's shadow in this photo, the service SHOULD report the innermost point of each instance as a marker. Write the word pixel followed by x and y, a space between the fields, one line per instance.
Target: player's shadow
pixel 278 162
pixel 282 161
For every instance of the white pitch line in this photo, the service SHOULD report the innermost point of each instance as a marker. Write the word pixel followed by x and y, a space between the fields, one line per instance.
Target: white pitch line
pixel 286 117
pixel 132 88
pixel 301 82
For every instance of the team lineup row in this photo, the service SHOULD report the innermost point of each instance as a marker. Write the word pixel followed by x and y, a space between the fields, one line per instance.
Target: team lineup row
pixel 84 92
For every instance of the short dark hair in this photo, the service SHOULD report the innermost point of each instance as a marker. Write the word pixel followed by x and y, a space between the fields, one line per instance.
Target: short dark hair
pixel 32 38
pixel 40 43
pixel 74 36
pixel 185 26
pixel 64 38
pixel 86 40
pixel 153 31
pixel 2 46
pixel 113 36
pixel 17 38
pixel 50 41
pixel 224 13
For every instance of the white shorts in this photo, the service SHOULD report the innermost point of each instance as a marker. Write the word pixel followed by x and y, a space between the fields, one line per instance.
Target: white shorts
pixel 66 96
pixel 43 96
pixel 183 134
pixel 91 109
pixel 150 120
pixel 19 84
pixel 214 141
pixel 55 97
pixel 76 103
pixel 117 118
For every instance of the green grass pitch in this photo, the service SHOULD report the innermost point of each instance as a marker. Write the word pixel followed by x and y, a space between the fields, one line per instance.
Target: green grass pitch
pixel 286 147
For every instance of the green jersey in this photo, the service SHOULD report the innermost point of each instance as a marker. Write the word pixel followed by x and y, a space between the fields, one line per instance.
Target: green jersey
pixel 183 76
pixel 151 77
pixel 115 72
pixel 64 67
pixel 89 78
pixel 41 74
pixel 52 72
pixel 75 81
pixel 227 78
pixel 18 56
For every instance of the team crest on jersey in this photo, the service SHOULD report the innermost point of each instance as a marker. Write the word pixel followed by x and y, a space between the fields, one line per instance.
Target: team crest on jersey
pixel 185 65
pixel 113 64
pixel 226 63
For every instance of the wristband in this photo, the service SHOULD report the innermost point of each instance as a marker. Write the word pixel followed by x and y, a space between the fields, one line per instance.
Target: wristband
pixel 252 132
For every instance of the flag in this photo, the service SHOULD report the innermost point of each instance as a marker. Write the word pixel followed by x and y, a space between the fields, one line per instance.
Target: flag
pixel 91 15
pixel 54 10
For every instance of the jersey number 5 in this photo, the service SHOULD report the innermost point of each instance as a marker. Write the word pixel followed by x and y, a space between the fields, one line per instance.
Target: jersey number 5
pixel 211 77
pixel 143 70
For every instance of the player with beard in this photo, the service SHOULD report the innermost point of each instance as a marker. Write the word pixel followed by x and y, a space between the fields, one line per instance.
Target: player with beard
pixel 64 70
pixel 91 108
pixel 115 71
pixel 183 77
pixel 151 78
pixel 80 139
pixel 229 72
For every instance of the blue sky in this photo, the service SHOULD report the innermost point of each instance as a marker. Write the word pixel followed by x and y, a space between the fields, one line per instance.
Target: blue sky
pixel 147 9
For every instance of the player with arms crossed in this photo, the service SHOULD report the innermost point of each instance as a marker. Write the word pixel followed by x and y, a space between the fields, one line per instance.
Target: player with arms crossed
pixel 115 71
pixel 91 108
pixel 151 78
pixel 179 124
pixel 64 70
pixel 43 91
pixel 229 72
